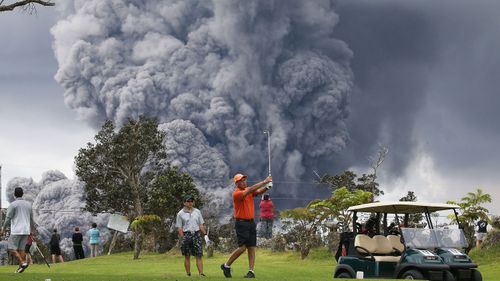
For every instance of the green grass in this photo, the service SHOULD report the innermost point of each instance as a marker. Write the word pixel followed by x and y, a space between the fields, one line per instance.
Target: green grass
pixel 269 266
pixel 488 261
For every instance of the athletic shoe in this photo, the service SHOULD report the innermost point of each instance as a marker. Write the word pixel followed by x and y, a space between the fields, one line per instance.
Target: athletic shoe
pixel 22 267
pixel 188 274
pixel 226 271
pixel 202 274
pixel 250 274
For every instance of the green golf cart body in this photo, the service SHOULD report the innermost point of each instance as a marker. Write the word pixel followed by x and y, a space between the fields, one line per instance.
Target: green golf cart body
pixel 404 253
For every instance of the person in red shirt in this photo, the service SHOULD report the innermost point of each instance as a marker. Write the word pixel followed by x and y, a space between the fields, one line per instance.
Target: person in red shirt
pixel 245 227
pixel 266 217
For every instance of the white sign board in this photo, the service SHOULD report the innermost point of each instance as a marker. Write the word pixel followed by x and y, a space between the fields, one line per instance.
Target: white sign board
pixel 118 222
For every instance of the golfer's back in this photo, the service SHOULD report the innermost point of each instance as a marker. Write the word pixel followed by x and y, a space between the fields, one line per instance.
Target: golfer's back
pixel 19 212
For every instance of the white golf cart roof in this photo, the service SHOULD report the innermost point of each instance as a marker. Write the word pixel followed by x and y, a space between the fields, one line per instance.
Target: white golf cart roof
pixel 402 207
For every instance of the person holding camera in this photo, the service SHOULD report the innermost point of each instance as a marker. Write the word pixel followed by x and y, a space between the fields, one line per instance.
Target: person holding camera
pixel 245 226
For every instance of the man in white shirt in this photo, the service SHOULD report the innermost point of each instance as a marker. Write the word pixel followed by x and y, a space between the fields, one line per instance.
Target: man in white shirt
pixel 190 227
pixel 20 219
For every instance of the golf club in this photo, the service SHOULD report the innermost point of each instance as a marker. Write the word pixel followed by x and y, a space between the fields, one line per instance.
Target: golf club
pixel 35 246
pixel 268 132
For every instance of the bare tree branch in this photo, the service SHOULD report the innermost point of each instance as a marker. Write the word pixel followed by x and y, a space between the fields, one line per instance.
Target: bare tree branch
pixel 378 159
pixel 27 4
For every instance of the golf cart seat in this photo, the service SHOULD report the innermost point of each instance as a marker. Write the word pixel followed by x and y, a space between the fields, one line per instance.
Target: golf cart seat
pixel 378 247
pixel 395 241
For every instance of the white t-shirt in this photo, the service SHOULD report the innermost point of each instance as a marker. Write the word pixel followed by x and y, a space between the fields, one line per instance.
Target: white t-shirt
pixel 20 217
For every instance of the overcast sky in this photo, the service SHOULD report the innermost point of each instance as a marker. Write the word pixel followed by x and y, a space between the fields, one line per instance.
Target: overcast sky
pixel 426 84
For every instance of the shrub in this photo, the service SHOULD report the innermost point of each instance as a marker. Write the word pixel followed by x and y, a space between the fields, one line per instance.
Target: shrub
pixel 492 239
pixel 495 222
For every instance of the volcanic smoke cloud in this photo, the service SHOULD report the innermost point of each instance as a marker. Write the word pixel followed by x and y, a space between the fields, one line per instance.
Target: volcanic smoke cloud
pixel 217 73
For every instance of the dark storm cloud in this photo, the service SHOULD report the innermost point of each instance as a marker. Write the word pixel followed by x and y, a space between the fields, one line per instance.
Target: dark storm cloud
pixel 394 46
pixel 426 78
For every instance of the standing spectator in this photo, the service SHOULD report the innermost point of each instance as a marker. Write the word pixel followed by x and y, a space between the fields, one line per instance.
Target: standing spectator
pixel 190 227
pixel 266 217
pixel 29 260
pixel 94 239
pixel 482 226
pixel 55 249
pixel 20 218
pixel 4 254
pixel 77 240
pixel 245 227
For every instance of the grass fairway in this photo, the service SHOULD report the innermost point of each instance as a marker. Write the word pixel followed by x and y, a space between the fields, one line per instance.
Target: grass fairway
pixel 269 266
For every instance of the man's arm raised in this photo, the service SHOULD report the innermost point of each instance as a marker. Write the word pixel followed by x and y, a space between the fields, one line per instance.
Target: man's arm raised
pixel 256 186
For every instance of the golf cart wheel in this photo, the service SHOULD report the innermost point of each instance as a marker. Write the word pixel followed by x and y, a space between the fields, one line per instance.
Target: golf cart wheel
pixel 476 275
pixel 449 276
pixel 413 275
pixel 344 275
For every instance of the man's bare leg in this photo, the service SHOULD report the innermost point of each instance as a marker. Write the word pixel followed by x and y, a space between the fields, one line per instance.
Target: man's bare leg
pixel 251 258
pixel 236 254
pixel 187 264
pixel 199 264
pixel 18 256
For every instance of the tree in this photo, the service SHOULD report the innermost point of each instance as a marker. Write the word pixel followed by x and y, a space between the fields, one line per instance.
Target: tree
pixel 349 180
pixel 123 173
pixel 472 210
pixel 335 207
pixel 414 219
pixel 305 223
pixel 27 5
pixel 346 179
pixel 166 193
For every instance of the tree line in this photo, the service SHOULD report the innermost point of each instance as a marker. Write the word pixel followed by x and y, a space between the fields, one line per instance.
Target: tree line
pixel 126 171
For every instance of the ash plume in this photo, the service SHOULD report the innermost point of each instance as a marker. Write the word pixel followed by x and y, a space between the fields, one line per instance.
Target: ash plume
pixel 231 69
pixel 57 204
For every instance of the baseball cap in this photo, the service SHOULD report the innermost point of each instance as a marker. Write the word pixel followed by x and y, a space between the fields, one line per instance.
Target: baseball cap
pixel 188 197
pixel 239 177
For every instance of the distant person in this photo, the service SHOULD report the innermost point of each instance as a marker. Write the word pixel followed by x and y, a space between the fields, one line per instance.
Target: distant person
pixel 20 219
pixel 266 216
pixel 482 226
pixel 245 227
pixel 369 228
pixel 94 240
pixel 77 240
pixel 4 254
pixel 55 248
pixel 190 227
pixel 29 260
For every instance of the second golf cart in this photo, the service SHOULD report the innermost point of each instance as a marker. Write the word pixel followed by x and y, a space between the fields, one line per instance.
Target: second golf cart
pixel 379 250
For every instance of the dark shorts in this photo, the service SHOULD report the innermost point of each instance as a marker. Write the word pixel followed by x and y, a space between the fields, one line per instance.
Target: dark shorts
pixel 191 244
pixel 246 232
pixel 55 250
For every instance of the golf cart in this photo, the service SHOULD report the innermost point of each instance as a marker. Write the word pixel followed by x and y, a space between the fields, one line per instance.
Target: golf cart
pixel 379 250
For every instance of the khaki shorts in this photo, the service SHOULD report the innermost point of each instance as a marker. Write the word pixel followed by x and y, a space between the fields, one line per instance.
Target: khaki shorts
pixel 18 242
pixel 480 236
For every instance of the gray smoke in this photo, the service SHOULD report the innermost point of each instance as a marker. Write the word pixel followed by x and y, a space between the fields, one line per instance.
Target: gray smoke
pixel 30 188
pixel 57 204
pixel 229 69
pixel 191 152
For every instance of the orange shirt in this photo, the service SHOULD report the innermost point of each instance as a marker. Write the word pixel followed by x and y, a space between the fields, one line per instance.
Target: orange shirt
pixel 243 209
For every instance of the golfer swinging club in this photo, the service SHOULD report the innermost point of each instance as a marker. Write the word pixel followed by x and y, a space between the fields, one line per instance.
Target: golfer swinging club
pixel 244 222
